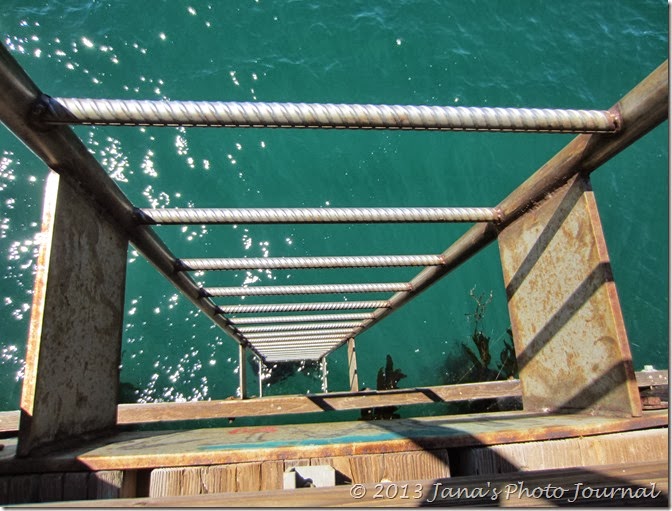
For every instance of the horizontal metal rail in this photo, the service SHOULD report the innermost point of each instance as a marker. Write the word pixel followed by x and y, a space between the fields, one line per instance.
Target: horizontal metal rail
pixel 384 287
pixel 314 115
pixel 296 307
pixel 254 337
pixel 295 347
pixel 298 342
pixel 293 263
pixel 306 345
pixel 266 320
pixel 314 215
pixel 641 110
pixel 294 327
pixel 294 358
pixel 292 350
pixel 61 150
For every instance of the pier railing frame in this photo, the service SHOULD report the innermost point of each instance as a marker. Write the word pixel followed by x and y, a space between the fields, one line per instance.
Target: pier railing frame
pixel 550 238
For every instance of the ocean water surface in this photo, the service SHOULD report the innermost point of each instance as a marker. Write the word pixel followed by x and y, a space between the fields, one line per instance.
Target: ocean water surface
pixel 514 53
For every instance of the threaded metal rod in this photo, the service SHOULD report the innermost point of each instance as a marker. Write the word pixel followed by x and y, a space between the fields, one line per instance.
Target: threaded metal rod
pixel 290 263
pixel 291 357
pixel 305 290
pixel 294 349
pixel 265 320
pixel 299 327
pixel 313 115
pixel 253 337
pixel 308 341
pixel 314 215
pixel 289 307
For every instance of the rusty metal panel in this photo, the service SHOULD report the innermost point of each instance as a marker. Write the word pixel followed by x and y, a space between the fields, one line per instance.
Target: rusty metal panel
pixel 74 340
pixel 569 334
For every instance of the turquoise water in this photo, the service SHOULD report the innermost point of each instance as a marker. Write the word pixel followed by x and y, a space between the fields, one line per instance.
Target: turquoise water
pixel 570 54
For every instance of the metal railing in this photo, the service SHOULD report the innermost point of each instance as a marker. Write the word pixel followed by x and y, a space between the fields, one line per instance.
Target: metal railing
pixel 39 121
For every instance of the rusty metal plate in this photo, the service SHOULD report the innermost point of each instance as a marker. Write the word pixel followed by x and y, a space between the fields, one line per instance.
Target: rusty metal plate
pixel 74 340
pixel 569 334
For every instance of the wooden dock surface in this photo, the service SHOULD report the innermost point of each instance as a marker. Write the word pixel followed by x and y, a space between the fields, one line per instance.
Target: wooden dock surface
pixel 617 485
pixel 139 450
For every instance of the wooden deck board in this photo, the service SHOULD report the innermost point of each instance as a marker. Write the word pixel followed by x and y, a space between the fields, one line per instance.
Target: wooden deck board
pixel 139 450
pixel 279 405
pixel 649 483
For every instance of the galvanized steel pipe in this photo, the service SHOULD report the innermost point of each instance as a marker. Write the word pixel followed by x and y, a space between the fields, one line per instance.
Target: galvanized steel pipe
pixel 313 215
pixel 290 307
pixel 314 115
pixel 307 289
pixel 292 263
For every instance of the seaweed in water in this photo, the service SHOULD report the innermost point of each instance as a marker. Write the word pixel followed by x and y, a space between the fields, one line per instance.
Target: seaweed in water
pixel 388 378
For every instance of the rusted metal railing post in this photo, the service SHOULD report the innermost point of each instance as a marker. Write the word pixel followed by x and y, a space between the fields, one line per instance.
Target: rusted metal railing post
pixel 352 365
pixel 242 371
pixel 74 343
pixel 568 330
pixel 323 366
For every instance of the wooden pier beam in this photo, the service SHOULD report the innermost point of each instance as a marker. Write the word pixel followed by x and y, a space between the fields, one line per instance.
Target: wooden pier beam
pixel 74 342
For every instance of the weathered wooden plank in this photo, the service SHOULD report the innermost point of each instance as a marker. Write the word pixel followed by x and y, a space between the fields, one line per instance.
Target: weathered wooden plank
pixel 75 485
pixel 283 405
pixel 368 468
pixel 248 476
pixel 218 478
pixel 621 448
pixel 74 340
pixel 51 487
pixel 649 483
pixel 23 488
pixel 302 462
pixel 105 484
pixel 565 313
pixel 141 450
pixel 271 475
pixel 166 482
pixel 139 413
pixel 406 466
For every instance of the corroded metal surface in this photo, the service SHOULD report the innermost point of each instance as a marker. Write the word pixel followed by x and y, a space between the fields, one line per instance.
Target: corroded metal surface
pixel 641 110
pixel 572 348
pixel 74 342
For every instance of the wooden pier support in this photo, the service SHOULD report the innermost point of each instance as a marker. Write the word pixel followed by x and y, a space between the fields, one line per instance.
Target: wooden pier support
pixel 568 330
pixel 74 342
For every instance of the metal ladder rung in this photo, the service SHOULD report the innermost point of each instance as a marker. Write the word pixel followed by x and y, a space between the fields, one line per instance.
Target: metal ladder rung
pixel 266 320
pixel 271 343
pixel 293 263
pixel 295 307
pixel 199 216
pixel 298 334
pixel 299 327
pixel 373 287
pixel 118 112
pixel 297 346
